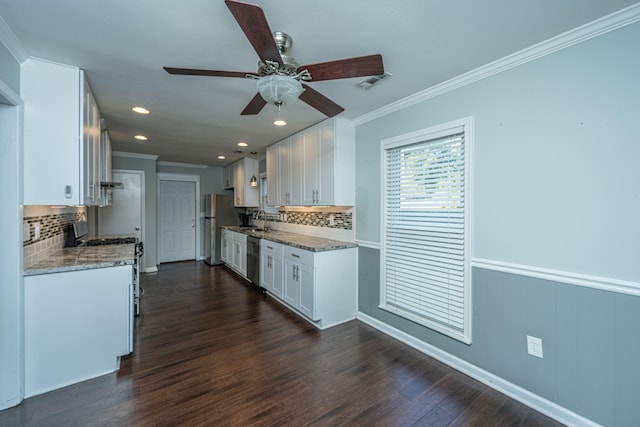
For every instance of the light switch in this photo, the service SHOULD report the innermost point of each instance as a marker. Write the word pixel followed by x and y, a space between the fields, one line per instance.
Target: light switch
pixel 26 235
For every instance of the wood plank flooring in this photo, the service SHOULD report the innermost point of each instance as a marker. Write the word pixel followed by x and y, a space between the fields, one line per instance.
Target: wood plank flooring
pixel 212 351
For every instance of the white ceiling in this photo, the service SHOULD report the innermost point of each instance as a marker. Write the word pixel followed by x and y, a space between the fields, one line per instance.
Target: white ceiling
pixel 123 44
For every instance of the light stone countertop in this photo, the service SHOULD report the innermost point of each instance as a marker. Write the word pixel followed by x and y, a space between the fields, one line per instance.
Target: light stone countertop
pixel 84 258
pixel 302 241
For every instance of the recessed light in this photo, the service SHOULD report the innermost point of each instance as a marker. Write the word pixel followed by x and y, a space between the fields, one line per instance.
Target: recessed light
pixel 140 137
pixel 242 144
pixel 221 157
pixel 280 122
pixel 140 110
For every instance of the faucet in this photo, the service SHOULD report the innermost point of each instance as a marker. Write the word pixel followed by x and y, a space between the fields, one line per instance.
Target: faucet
pixel 265 218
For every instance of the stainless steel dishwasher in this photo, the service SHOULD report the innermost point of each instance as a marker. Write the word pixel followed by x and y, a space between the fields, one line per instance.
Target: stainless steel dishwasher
pixel 253 259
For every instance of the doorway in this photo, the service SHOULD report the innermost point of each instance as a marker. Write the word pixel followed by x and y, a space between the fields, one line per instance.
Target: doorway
pixel 178 217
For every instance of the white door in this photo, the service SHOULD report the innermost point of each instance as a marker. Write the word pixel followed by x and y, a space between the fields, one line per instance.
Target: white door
pixel 177 222
pixel 124 216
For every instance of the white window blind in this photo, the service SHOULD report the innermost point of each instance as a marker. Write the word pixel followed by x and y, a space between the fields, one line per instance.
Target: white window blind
pixel 424 250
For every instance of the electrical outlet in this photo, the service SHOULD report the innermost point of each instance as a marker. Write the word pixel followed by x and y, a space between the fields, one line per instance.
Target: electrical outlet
pixel 36 231
pixel 332 219
pixel 534 346
pixel 26 232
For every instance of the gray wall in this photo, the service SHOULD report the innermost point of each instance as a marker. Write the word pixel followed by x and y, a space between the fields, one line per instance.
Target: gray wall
pixel 9 69
pixel 554 186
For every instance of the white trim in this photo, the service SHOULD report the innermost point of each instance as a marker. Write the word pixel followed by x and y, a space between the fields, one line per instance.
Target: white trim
pixel 153 269
pixel 11 42
pixel 134 155
pixel 164 176
pixel 368 244
pixel 182 165
pixel 540 404
pixel 466 126
pixel 596 282
pixel 577 35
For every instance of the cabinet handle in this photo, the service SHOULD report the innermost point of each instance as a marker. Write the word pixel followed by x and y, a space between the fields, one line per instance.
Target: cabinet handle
pixel 269 247
pixel 295 256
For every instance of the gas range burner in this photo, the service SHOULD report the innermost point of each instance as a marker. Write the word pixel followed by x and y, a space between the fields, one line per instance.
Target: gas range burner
pixel 111 241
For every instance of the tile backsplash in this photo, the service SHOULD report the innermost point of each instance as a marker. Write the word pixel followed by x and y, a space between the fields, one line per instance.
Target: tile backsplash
pixel 332 222
pixel 52 222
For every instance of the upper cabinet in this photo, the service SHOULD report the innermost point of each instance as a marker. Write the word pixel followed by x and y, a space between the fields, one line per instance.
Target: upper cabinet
pixel 62 138
pixel 314 167
pixel 244 194
pixel 228 177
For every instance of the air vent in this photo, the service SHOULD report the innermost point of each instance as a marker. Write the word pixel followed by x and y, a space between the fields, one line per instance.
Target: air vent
pixel 238 151
pixel 369 82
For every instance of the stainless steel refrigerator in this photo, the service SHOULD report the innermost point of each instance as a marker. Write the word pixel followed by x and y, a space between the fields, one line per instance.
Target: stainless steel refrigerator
pixel 218 211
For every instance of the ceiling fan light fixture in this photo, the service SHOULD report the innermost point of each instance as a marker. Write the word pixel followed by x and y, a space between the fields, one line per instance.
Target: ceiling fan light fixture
pixel 279 90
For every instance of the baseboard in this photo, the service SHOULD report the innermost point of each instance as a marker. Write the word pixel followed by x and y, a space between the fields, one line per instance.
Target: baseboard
pixel 540 404
pixel 153 269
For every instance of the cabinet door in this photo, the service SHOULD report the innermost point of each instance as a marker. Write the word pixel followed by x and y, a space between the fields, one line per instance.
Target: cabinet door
pixel 307 291
pixel 273 186
pixel 291 283
pixel 242 262
pixel 310 161
pixel 238 188
pixel 224 247
pixel 325 163
pixel 266 271
pixel 51 95
pixel 227 177
pixel 90 147
pixel 284 173
pixel 296 164
pixel 278 277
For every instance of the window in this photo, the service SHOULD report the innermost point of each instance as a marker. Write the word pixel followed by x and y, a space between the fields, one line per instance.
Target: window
pixel 425 234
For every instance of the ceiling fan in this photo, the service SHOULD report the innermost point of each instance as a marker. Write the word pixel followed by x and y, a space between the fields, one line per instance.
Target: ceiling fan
pixel 279 77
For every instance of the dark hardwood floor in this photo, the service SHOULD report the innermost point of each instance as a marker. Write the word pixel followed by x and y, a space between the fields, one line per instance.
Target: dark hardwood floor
pixel 212 351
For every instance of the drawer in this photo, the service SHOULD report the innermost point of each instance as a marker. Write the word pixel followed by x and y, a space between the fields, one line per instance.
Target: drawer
pixel 267 246
pixel 299 255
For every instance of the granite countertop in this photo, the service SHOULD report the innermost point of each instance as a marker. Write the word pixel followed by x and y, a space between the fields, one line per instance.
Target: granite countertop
pixel 84 258
pixel 302 241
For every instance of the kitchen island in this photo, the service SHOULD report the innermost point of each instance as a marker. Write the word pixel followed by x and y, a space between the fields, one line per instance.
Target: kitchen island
pixel 78 315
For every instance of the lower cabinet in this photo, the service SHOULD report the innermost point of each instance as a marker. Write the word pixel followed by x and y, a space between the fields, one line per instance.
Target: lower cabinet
pixel 271 278
pixel 321 286
pixel 234 251
pixel 76 325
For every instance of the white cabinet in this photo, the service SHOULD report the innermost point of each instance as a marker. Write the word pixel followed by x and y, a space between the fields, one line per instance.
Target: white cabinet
pixel 273 169
pixel 234 251
pixel 76 325
pixel 61 136
pixel 315 166
pixel 226 243
pixel 228 177
pixel 321 286
pixel 244 194
pixel 271 278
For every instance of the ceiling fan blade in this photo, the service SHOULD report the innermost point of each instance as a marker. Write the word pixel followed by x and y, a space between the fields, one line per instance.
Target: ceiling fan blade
pixel 320 102
pixel 211 73
pixel 254 24
pixel 255 106
pixel 361 66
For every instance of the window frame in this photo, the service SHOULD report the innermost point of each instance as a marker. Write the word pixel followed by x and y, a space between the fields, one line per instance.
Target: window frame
pixel 424 135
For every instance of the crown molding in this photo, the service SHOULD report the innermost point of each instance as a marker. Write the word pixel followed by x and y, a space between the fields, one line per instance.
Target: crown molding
pixel 182 165
pixel 580 34
pixel 12 43
pixel 134 155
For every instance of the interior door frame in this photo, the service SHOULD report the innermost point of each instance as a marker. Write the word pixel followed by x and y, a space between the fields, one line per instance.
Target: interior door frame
pixel 11 262
pixel 165 176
